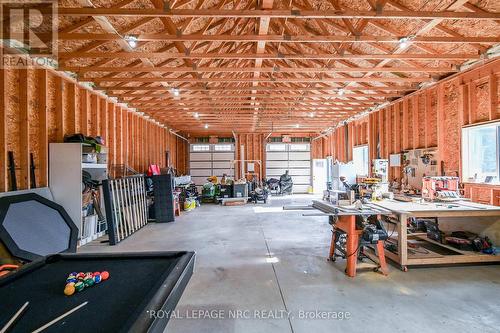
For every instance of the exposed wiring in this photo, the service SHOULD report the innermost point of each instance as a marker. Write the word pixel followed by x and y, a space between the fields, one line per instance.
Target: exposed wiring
pixel 356 251
pixel 341 241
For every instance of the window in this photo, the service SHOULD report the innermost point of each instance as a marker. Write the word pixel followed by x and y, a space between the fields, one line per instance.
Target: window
pixel 480 153
pixel 276 147
pixel 223 147
pixel 223 140
pixel 200 147
pixel 360 159
pixel 296 139
pixel 299 147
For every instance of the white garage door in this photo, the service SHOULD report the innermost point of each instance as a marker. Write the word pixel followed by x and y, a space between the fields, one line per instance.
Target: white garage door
pixel 207 160
pixel 294 157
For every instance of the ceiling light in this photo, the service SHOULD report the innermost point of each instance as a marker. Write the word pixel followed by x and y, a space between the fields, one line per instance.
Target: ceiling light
pixel 341 92
pixel 132 41
pixel 404 42
pixel 175 92
pixel 196 115
pixel 206 126
pixel 311 115
pixel 297 125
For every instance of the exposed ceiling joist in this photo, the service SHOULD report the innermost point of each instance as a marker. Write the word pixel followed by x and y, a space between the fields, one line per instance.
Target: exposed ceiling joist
pixel 279 13
pixel 276 56
pixel 275 69
pixel 278 38
pixel 266 65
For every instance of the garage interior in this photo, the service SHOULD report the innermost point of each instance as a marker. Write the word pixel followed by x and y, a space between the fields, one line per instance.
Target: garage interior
pixel 250 165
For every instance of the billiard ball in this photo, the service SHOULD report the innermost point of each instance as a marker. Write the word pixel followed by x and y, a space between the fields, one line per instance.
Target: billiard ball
pixel 80 276
pixel 71 280
pixel 97 278
pixel 69 289
pixel 79 286
pixel 104 275
pixel 88 282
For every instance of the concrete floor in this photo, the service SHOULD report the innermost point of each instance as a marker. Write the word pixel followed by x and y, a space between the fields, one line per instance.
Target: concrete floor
pixel 233 272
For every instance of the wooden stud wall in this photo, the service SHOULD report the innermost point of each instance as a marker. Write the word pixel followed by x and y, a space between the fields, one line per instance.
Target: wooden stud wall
pixel 336 144
pixel 38 106
pixel 255 149
pixel 429 118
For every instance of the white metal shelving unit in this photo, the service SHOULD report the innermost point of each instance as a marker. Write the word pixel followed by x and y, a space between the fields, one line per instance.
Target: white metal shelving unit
pixel 65 182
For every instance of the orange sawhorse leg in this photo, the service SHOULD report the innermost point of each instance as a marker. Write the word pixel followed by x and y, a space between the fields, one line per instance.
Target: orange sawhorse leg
pixel 347 223
pixel 331 257
pixel 352 253
pixel 381 258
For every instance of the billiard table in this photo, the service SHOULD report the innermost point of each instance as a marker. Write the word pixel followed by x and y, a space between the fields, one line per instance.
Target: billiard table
pixel 138 284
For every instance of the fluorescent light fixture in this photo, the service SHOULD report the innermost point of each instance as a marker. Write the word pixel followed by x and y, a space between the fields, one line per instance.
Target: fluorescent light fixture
pixel 176 92
pixel 196 115
pixel 206 126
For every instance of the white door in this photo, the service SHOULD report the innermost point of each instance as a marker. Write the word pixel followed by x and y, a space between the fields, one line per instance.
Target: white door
pixel 207 160
pixel 319 175
pixel 294 157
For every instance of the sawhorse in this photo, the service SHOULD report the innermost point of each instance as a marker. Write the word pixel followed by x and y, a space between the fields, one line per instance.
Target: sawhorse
pixel 347 224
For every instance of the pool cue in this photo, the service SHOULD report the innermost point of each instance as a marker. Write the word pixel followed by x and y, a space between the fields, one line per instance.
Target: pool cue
pixel 14 318
pixel 52 322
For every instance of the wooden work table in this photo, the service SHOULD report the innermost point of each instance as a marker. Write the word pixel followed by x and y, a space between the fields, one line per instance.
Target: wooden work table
pixel 405 256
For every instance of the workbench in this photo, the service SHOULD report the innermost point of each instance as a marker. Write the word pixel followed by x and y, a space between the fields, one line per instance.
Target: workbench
pixel 443 254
